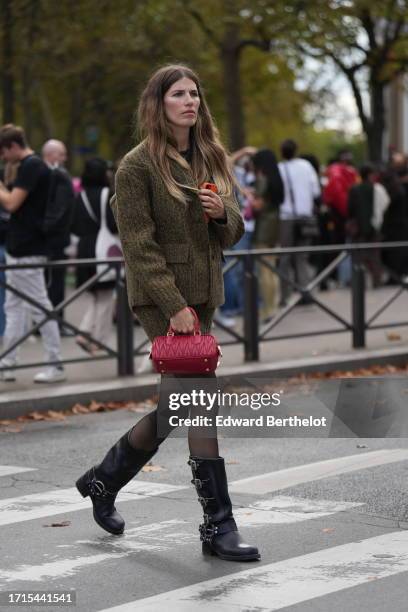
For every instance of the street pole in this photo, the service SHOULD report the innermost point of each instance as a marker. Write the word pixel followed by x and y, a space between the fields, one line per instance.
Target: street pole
pixel 251 336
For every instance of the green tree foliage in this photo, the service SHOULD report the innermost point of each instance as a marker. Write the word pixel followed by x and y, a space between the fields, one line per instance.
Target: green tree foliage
pixel 75 70
pixel 367 40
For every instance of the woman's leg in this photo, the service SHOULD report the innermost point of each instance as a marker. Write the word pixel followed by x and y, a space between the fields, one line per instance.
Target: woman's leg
pixel 88 320
pixel 202 441
pixel 154 428
pixel 219 532
pixel 103 314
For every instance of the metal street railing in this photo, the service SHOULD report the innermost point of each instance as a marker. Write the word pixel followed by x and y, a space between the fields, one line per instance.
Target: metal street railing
pixel 253 332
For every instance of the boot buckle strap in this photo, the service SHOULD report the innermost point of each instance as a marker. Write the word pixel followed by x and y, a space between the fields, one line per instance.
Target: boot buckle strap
pixel 203 500
pixel 207 532
pixel 194 463
pixel 97 488
pixel 198 482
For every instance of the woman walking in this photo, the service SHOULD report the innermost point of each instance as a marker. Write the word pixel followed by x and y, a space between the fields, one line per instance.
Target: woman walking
pixel 172 234
pixel 91 204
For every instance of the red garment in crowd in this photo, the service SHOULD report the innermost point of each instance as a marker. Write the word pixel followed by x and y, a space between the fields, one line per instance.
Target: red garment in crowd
pixel 340 178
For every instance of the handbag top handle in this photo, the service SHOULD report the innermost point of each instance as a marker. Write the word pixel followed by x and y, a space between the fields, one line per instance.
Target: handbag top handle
pixel 197 331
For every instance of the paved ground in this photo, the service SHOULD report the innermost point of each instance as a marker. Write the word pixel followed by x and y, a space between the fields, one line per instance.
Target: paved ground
pixel 331 525
pixel 302 319
pixel 329 515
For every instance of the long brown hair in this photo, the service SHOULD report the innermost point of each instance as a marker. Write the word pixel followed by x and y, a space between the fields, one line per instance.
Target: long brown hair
pixel 209 158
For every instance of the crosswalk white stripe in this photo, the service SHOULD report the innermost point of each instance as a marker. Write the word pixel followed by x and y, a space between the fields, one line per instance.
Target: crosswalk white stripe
pixel 60 501
pixel 153 537
pixel 283 509
pixel 9 470
pixel 165 535
pixel 290 477
pixel 286 583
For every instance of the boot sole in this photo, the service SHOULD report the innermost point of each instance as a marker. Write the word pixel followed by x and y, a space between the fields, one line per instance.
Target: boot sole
pixel 209 551
pixel 106 528
pixel 83 490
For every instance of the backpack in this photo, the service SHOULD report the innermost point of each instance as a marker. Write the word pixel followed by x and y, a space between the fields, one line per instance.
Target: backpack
pixel 107 244
pixel 60 205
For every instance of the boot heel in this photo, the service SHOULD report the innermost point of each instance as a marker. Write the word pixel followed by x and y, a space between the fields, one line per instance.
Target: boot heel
pixel 207 550
pixel 81 486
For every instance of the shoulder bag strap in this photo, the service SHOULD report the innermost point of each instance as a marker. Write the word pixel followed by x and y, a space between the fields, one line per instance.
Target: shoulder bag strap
pixel 104 202
pixel 88 207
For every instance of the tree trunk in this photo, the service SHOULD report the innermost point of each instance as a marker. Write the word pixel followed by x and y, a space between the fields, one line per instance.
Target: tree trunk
pixel 74 118
pixel 376 128
pixel 8 62
pixel 229 55
pixel 31 18
pixel 26 102
pixel 48 124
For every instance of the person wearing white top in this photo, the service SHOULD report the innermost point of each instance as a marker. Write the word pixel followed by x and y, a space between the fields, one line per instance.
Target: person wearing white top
pixel 301 185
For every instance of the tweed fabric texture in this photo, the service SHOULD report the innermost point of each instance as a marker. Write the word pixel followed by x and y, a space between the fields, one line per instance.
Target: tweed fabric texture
pixel 172 256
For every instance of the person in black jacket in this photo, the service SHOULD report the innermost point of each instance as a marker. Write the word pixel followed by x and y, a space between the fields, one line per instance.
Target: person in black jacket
pixel 25 245
pixel 395 225
pixel 366 201
pixel 54 154
pixel 97 320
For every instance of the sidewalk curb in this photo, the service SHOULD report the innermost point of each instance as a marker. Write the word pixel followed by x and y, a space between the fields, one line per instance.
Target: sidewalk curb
pixel 137 388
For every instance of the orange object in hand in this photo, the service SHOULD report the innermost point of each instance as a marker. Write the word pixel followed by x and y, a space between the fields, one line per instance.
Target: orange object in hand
pixel 212 187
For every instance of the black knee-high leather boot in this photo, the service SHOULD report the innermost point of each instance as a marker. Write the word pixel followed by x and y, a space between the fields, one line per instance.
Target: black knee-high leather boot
pixel 219 532
pixel 103 482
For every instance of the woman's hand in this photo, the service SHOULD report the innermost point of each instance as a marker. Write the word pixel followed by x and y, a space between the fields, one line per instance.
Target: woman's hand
pixel 183 321
pixel 212 204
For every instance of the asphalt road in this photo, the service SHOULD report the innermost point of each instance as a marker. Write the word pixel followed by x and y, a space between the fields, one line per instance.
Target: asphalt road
pixel 333 534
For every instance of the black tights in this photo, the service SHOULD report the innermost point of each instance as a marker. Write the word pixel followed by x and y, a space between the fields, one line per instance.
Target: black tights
pixel 154 428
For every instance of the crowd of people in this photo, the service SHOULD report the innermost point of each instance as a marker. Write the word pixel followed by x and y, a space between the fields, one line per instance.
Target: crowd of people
pixel 295 202
pixel 46 215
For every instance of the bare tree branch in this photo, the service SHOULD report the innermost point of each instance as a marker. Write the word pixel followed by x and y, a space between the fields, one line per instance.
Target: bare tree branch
pixel 263 45
pixel 369 27
pixel 196 15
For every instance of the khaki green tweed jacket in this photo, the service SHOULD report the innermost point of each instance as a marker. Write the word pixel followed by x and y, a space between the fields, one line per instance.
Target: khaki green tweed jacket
pixel 173 258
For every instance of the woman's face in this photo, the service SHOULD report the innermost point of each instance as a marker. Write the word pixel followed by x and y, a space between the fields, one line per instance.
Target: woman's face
pixel 181 102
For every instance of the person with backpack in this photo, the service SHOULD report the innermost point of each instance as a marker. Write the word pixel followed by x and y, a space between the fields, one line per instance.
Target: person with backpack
pixel 58 219
pixel 25 244
pixel 91 213
pixel 340 176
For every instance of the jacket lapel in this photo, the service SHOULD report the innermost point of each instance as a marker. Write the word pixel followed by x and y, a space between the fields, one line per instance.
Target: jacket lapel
pixel 182 175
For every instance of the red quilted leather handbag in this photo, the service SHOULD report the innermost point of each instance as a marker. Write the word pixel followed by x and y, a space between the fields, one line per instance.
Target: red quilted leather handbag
pixel 195 353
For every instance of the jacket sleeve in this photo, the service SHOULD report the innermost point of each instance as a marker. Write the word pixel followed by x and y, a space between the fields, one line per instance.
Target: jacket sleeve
pixel 231 229
pixel 143 255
